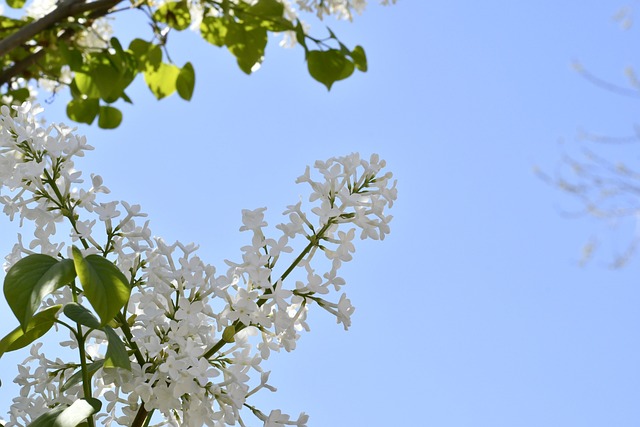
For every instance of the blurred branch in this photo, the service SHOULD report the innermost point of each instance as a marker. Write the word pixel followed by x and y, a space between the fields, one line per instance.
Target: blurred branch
pixel 66 9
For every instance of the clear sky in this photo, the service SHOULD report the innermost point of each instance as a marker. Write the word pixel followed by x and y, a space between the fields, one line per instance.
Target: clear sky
pixel 475 310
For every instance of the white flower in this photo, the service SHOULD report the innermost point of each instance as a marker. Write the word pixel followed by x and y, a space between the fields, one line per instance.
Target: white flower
pixel 178 356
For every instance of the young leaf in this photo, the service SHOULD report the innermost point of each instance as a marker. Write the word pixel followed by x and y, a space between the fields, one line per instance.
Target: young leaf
pixel 116 356
pixel 74 379
pixel 31 279
pixel 162 81
pixel 106 288
pixel 109 117
pixel 37 327
pixel 329 66
pixel 186 81
pixel 81 315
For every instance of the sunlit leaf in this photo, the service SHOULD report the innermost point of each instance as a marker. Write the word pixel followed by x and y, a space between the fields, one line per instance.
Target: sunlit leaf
pixel 32 278
pixel 214 30
pixel 68 416
pixel 37 327
pixel 174 14
pixel 87 84
pixel 16 4
pixel 329 66
pixel 104 285
pixel 162 81
pixel 148 55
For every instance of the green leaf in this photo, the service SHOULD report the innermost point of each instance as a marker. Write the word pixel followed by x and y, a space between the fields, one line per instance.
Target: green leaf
pixel 48 418
pixel 269 15
pixel 10 24
pixel 228 335
pixel 104 285
pixel 82 315
pixel 329 66
pixel 186 81
pixel 116 45
pixel 267 9
pixel 162 82
pixel 32 278
pixel 74 379
pixel 246 45
pixel 87 85
pixel 359 58
pixel 16 4
pixel 83 110
pixel 19 95
pixel 79 411
pixel 70 56
pixel 126 98
pixel 68 416
pixel 37 327
pixel 174 14
pixel 148 55
pixel 214 30
pixel 109 117
pixel 116 355
pixel 105 77
pixel 301 36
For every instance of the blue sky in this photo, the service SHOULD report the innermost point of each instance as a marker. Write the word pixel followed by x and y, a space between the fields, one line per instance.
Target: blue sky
pixel 475 311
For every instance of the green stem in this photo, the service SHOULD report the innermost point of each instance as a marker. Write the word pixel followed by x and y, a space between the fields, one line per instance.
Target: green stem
pixel 86 380
pixel 141 417
pixel 127 333
pixel 239 325
pixel 314 242
pixel 66 210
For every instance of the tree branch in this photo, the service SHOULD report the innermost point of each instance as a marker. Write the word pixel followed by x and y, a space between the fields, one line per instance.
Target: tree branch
pixel 64 10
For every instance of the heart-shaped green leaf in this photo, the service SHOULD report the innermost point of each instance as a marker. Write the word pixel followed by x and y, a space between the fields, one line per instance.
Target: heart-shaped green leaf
pixel 329 66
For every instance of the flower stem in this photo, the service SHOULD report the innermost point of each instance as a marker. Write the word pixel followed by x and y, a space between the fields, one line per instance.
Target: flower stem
pixel 314 241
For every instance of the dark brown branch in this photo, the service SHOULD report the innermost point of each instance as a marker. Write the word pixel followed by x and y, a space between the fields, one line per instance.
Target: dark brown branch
pixel 141 416
pixel 66 9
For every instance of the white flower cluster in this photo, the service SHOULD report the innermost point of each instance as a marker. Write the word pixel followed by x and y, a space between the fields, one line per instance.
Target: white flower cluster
pixel 342 9
pixel 197 338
